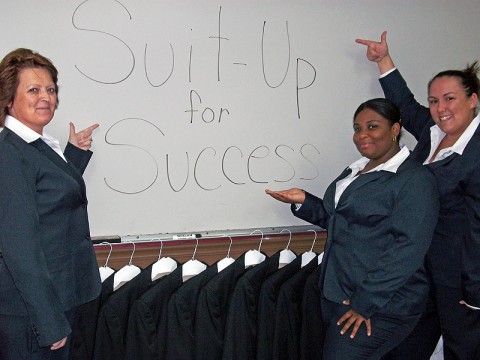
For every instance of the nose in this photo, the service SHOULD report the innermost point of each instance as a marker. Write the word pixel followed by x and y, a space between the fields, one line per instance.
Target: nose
pixel 441 105
pixel 362 134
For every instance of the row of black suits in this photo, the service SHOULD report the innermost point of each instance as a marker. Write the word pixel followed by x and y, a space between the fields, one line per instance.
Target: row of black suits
pixel 259 312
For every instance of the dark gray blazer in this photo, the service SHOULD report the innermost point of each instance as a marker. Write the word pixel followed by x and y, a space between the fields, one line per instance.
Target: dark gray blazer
pixel 377 239
pixel 453 258
pixel 47 262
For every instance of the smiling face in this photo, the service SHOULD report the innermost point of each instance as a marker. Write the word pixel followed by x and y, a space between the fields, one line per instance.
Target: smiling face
pixel 450 107
pixel 35 99
pixel 373 136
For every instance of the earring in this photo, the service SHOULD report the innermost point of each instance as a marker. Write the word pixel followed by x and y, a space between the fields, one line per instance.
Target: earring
pixel 394 138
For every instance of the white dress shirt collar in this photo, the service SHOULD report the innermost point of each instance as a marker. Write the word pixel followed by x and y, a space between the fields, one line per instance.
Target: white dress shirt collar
pixel 436 136
pixel 30 136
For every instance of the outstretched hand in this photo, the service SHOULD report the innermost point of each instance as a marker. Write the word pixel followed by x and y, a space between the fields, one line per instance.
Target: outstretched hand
pixel 376 51
pixel 351 317
pixel 82 139
pixel 290 196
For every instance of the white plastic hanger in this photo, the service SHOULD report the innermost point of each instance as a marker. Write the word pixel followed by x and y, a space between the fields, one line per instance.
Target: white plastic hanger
pixel 308 256
pixel 254 257
pixel 286 255
pixel 320 258
pixel 126 273
pixel 163 266
pixel 222 264
pixel 192 267
pixel 104 270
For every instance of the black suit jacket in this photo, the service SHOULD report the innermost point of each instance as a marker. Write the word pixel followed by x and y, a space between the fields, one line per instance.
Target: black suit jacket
pixel 47 262
pixel 147 322
pixel 181 316
pixel 112 325
pixel 288 314
pixel 241 326
pixel 312 335
pixel 211 312
pixel 378 235
pixel 453 258
pixel 267 305
pixel 85 328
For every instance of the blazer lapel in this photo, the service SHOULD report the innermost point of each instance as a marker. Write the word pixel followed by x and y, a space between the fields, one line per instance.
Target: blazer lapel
pixel 50 154
pixel 360 181
pixel 329 197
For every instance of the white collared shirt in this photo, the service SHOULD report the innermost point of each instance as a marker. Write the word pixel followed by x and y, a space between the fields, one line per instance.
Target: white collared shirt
pixel 436 136
pixel 391 165
pixel 30 136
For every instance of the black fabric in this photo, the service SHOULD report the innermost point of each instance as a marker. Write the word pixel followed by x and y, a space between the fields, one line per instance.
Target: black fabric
pixel 288 316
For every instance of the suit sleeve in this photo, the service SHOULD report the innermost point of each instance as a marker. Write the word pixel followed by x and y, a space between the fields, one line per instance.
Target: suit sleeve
pixel 415 117
pixel 312 211
pixel 25 269
pixel 413 220
pixel 471 246
pixel 77 157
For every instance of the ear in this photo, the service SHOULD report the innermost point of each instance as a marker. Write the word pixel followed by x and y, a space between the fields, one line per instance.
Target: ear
pixel 473 101
pixel 396 129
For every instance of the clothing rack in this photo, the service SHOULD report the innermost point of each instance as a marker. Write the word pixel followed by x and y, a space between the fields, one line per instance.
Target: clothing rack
pixel 209 250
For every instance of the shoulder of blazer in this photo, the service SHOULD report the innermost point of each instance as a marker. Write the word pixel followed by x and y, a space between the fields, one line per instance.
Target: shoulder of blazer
pixel 474 143
pixel 412 167
pixel 12 142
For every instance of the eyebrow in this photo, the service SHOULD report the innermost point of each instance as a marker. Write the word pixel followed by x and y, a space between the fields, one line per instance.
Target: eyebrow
pixel 448 93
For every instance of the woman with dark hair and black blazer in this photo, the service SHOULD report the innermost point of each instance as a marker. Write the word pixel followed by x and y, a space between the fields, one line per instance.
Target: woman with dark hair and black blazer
pixel 380 214
pixel 448 138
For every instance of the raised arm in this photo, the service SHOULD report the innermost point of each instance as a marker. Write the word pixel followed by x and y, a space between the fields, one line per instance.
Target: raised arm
pixel 415 117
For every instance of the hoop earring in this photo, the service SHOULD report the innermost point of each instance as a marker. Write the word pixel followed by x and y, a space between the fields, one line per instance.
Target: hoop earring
pixel 394 139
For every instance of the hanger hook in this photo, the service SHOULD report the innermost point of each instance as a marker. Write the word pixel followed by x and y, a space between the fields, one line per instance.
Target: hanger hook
pixel 195 250
pixel 289 239
pixel 230 246
pixel 109 253
pixel 314 239
pixel 133 252
pixel 161 247
pixel 261 240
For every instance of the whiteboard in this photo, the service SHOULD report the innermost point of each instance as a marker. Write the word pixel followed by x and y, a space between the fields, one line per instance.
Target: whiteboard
pixel 204 104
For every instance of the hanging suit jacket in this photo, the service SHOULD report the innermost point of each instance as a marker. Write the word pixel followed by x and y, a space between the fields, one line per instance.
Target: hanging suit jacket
pixel 378 235
pixel 241 327
pixel 85 327
pixel 147 322
pixel 267 304
pixel 312 333
pixel 288 314
pixel 112 325
pixel 453 258
pixel 211 312
pixel 181 315
pixel 47 262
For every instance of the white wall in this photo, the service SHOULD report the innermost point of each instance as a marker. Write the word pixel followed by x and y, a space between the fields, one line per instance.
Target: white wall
pixel 295 98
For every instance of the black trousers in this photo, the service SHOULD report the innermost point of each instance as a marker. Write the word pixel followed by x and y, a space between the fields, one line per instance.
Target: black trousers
pixel 458 325
pixel 17 341
pixel 387 332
